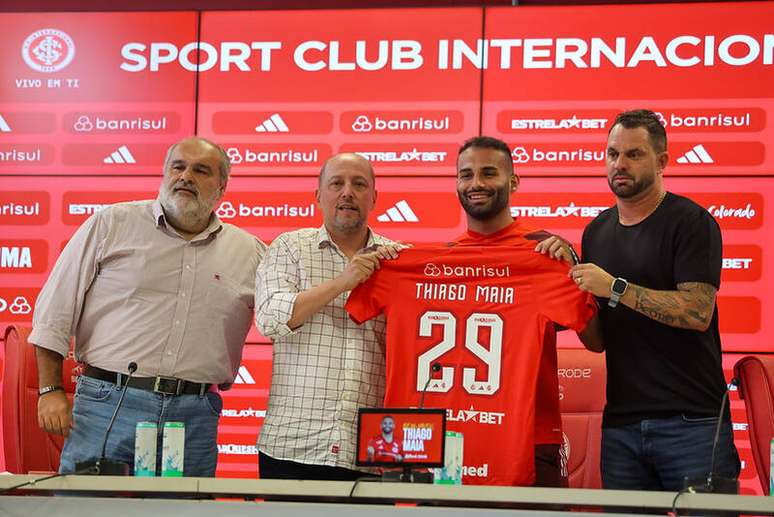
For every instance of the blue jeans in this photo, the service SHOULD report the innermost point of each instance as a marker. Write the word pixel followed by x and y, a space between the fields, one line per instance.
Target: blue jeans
pixel 657 454
pixel 93 406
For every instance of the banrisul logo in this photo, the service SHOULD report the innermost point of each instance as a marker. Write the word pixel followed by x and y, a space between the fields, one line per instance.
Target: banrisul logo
pixel 476 271
pixel 48 50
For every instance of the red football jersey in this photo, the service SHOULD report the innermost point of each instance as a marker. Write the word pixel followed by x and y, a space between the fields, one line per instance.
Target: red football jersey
pixel 481 314
pixel 548 420
pixel 384 450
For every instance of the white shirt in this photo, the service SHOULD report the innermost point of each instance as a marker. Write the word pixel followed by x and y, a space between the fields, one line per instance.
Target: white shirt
pixel 129 288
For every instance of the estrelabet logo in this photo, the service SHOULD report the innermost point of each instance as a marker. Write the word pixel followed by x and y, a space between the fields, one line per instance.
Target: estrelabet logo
pixel 401 212
pixel 696 155
pixel 122 155
pixel 475 415
pixel 273 124
pixel 562 123
pixel 48 50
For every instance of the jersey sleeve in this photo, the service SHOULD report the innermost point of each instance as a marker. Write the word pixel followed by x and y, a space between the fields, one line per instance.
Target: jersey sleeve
pixel 368 300
pixel 698 250
pixel 562 302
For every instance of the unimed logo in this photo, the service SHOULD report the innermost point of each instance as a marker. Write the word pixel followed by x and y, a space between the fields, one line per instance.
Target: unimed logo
pixel 476 471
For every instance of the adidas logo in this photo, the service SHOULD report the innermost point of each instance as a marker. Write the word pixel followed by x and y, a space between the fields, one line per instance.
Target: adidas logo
pixel 401 212
pixel 4 127
pixel 120 155
pixel 243 376
pixel 273 124
pixel 696 155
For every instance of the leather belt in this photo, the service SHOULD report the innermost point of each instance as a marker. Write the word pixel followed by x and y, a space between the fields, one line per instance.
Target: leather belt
pixel 165 385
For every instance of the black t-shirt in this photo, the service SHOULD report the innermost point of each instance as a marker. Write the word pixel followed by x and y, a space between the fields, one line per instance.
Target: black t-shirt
pixel 655 370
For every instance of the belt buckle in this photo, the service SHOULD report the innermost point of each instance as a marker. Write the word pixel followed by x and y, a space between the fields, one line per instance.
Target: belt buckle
pixel 178 385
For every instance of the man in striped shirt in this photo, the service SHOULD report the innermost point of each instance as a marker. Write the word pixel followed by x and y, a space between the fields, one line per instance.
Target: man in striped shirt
pixel 324 365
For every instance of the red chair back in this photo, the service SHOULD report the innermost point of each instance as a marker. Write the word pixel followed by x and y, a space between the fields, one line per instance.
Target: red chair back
pixel 27 448
pixel 756 387
pixel 582 380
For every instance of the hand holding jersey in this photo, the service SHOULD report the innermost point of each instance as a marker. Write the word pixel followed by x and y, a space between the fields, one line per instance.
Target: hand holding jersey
pixel 558 249
pixel 654 259
pixel 483 314
pixel 324 366
pixel 484 309
pixel 593 279
pixel 485 180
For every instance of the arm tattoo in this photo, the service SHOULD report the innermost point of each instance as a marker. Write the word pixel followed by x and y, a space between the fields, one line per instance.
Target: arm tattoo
pixel 690 307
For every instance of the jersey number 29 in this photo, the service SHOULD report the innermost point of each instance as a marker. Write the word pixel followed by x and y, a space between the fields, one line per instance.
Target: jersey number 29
pixel 490 356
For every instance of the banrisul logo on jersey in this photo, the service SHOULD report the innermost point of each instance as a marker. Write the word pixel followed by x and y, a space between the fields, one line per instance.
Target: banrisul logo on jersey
pixel 458 271
pixel 450 284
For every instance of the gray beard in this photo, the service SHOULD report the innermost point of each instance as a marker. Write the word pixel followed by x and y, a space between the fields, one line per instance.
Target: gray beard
pixel 191 217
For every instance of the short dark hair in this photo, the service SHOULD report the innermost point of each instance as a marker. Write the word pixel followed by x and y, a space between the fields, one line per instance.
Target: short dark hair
pixel 650 121
pixel 487 142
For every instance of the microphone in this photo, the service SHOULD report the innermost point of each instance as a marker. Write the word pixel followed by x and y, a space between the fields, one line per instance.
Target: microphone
pixel 712 484
pixel 435 367
pixel 104 466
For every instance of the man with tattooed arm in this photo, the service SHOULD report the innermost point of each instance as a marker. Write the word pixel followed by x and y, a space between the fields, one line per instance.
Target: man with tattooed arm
pixel 653 261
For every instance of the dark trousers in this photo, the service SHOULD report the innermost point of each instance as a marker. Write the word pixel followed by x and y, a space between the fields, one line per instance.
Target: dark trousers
pixel 659 453
pixel 550 466
pixel 272 468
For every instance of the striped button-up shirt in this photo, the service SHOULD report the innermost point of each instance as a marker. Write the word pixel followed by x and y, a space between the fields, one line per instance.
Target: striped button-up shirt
pixel 324 370
pixel 131 289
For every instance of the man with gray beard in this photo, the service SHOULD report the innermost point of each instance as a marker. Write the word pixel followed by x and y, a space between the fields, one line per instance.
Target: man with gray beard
pixel 161 283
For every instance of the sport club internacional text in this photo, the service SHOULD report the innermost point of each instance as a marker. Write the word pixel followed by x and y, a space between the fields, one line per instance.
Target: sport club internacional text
pixel 504 53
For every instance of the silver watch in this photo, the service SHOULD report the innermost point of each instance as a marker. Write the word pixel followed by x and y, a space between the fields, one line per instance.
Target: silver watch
pixel 617 289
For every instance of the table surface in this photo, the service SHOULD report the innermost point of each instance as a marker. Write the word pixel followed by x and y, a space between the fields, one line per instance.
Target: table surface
pixel 347 494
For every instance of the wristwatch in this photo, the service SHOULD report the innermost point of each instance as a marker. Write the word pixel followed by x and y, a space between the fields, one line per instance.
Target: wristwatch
pixel 49 389
pixel 617 289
